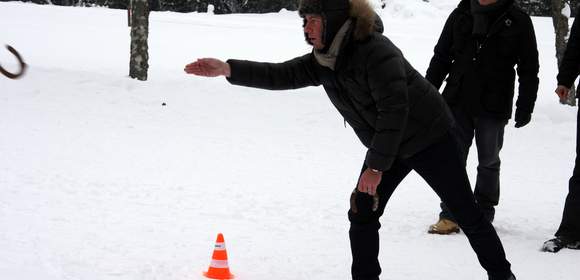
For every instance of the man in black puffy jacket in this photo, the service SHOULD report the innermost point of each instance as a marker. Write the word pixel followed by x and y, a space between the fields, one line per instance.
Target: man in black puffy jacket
pixel 397 114
pixel 568 234
pixel 478 48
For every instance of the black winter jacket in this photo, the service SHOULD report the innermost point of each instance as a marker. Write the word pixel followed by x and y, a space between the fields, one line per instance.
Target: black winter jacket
pixel 394 111
pixel 480 74
pixel 570 66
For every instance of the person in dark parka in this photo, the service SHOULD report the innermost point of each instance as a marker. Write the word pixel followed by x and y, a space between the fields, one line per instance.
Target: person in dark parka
pixel 481 43
pixel 395 112
pixel 568 234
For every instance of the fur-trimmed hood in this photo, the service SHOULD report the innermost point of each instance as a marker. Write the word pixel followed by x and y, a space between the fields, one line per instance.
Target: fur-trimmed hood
pixel 336 12
pixel 366 20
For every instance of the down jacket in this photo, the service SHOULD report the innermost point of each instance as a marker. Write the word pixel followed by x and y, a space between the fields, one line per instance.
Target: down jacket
pixel 393 110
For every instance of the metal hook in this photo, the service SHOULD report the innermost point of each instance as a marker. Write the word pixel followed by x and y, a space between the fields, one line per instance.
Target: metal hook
pixel 22 65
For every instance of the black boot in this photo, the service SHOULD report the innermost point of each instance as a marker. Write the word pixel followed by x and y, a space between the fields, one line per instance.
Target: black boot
pixel 556 244
pixel 512 277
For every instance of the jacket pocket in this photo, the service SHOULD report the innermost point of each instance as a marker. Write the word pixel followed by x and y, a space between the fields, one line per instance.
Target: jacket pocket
pixel 497 96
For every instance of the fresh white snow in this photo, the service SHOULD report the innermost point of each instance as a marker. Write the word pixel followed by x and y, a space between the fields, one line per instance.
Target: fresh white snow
pixel 99 181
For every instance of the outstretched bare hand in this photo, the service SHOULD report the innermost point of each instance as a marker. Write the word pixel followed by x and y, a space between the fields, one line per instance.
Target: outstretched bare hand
pixel 208 67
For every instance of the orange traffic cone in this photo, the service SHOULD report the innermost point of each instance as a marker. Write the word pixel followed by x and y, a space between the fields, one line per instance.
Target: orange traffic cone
pixel 218 268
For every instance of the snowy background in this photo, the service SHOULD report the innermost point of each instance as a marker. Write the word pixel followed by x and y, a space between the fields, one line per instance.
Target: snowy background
pixel 99 181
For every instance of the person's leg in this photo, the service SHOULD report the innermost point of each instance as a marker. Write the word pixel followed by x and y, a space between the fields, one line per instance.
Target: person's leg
pixel 442 167
pixel 489 141
pixel 568 233
pixel 464 131
pixel 570 225
pixel 364 223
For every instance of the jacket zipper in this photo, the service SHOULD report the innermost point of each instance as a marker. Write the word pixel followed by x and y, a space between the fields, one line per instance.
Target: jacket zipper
pixel 478 45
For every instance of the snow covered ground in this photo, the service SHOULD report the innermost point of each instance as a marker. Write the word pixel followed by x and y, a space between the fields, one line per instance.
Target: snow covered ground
pixel 99 181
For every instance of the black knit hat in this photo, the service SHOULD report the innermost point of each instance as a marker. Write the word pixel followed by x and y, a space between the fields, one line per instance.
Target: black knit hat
pixel 334 13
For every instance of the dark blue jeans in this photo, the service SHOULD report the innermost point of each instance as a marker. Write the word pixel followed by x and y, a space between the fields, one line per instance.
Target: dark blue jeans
pixel 488 133
pixel 441 166
pixel 570 225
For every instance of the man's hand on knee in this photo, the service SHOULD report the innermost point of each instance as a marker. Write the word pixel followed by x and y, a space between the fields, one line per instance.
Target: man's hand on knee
pixel 369 180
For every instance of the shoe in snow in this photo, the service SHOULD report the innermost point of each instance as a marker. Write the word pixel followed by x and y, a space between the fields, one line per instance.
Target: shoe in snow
pixel 444 226
pixel 554 245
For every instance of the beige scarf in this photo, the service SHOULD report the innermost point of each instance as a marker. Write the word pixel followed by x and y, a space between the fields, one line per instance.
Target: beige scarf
pixel 328 59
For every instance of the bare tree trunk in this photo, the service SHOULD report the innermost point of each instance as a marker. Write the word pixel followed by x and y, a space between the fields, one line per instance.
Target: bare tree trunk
pixel 139 63
pixel 560 21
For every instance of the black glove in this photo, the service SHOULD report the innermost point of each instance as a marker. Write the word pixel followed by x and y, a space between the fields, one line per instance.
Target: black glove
pixel 353 199
pixel 522 118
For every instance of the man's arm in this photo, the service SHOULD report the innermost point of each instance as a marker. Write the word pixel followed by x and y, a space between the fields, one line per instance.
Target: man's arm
pixel 570 66
pixel 440 64
pixel 388 85
pixel 296 73
pixel 528 67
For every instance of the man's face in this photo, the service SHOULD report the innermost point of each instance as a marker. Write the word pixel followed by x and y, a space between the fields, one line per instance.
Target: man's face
pixel 486 2
pixel 313 30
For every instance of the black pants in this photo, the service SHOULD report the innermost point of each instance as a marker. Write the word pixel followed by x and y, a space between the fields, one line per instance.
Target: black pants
pixel 488 133
pixel 442 168
pixel 570 225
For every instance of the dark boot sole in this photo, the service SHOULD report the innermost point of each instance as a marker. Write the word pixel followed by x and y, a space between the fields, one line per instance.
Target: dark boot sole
pixel 446 232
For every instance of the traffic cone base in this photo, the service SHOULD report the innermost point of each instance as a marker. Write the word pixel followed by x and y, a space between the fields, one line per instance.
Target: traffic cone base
pixel 227 275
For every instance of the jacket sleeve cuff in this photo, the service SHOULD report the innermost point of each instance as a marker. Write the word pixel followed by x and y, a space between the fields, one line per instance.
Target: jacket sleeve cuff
pixel 378 161
pixel 237 73
pixel 565 81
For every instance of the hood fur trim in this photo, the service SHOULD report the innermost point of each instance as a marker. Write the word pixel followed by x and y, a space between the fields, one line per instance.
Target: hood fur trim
pixel 364 14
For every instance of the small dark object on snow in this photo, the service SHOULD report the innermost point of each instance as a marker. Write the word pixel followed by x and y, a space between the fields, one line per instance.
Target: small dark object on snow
pixel 163 104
